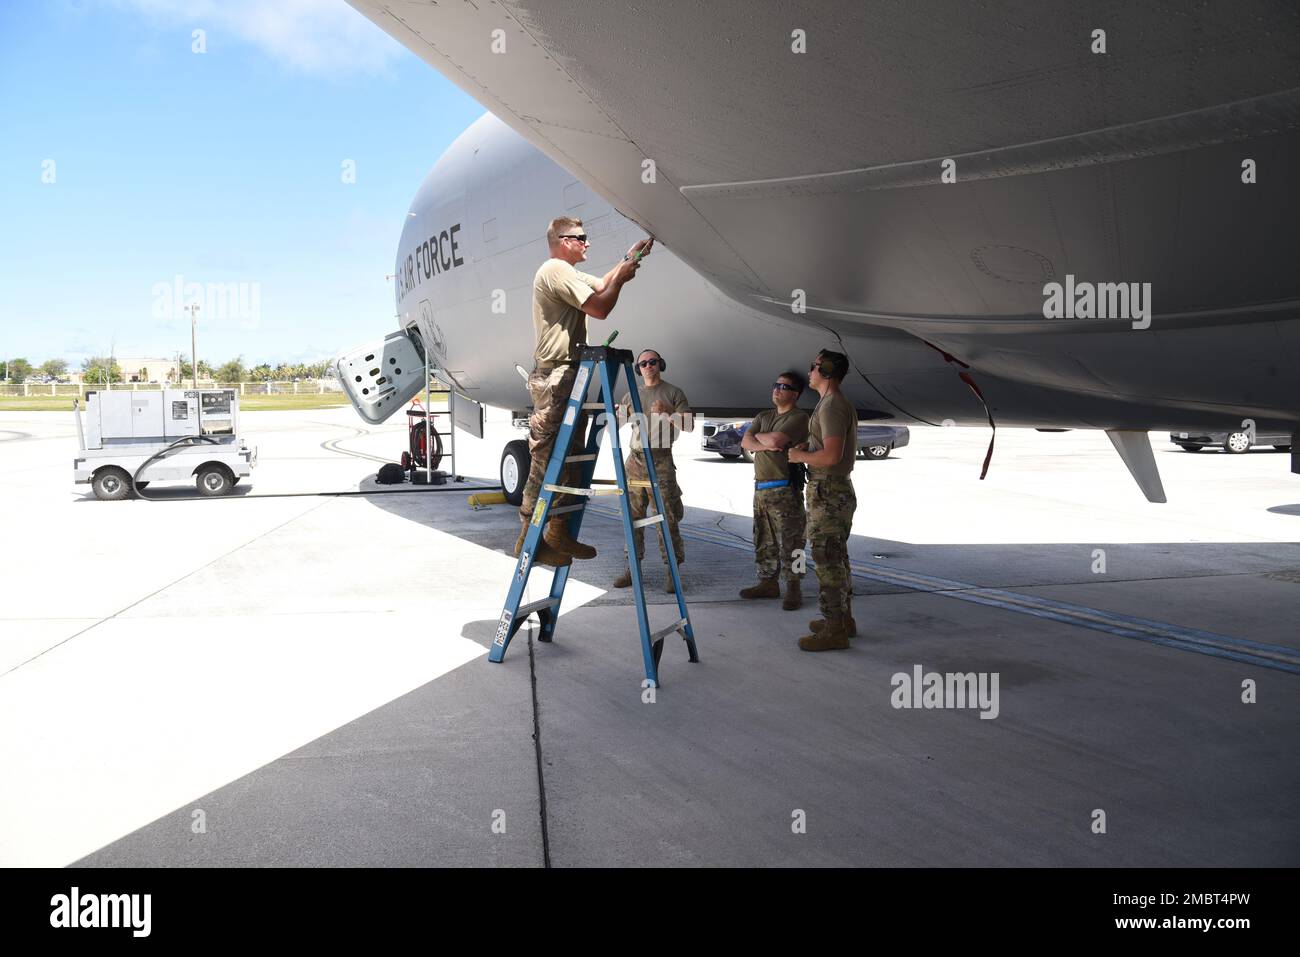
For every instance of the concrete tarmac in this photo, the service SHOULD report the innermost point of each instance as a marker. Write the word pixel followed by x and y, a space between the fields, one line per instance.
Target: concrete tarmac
pixel 292 676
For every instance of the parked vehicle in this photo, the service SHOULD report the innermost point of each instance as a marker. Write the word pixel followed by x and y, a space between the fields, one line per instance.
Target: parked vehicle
pixel 874 441
pixel 724 438
pixel 130 439
pixel 877 441
pixel 1233 443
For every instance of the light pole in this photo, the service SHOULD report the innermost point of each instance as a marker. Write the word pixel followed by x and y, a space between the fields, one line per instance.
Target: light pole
pixel 193 308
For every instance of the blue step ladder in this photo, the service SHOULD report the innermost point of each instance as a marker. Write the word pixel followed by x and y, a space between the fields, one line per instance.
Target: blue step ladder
pixel 602 365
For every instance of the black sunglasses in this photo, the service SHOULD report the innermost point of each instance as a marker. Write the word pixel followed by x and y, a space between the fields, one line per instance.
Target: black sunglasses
pixel 647 362
pixel 785 387
pixel 581 237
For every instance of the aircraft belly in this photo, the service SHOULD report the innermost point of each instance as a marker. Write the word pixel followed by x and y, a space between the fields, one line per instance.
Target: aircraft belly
pixel 828 188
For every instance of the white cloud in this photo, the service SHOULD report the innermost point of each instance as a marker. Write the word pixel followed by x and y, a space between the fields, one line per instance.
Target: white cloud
pixel 315 36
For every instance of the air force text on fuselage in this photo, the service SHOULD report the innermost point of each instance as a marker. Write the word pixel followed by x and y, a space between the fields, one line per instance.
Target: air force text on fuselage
pixel 434 255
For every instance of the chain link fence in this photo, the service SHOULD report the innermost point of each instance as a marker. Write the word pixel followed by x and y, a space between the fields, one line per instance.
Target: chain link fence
pixel 72 390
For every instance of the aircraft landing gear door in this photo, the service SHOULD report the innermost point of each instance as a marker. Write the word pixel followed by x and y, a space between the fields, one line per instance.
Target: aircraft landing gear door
pixel 381 377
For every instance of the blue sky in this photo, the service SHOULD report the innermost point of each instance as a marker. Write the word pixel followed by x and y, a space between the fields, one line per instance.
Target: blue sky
pixel 220 167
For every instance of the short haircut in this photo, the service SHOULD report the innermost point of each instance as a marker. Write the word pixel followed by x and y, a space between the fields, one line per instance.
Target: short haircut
pixel 557 226
pixel 798 381
pixel 839 363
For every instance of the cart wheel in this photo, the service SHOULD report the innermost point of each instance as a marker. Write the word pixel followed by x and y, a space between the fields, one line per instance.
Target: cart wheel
pixel 111 484
pixel 214 480
pixel 437 451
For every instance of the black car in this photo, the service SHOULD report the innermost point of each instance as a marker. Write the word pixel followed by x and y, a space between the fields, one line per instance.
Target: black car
pixel 874 441
pixel 724 438
pixel 1232 442
pixel 877 441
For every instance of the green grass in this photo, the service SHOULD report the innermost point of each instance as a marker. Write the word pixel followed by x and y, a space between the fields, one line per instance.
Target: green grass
pixel 247 403
pixel 264 403
pixel 37 403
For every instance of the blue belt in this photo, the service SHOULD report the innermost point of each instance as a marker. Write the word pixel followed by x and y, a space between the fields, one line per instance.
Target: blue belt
pixel 774 483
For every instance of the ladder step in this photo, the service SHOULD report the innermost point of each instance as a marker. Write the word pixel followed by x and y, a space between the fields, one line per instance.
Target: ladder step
pixel 568 508
pixel 678 625
pixel 593 406
pixel 642 522
pixel 581 458
pixel 569 490
pixel 532 606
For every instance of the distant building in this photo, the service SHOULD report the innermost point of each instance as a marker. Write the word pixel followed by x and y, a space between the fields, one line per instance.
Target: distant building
pixel 147 369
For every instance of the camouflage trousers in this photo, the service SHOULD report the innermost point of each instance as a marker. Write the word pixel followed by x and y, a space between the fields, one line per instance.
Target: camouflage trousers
pixel 641 501
pixel 779 529
pixel 550 392
pixel 831 504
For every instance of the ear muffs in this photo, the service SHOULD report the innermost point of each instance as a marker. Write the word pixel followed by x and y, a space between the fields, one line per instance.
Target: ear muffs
pixel 824 368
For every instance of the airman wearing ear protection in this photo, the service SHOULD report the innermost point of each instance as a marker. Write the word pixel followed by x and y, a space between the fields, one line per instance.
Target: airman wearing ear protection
pixel 669 414
pixel 832 448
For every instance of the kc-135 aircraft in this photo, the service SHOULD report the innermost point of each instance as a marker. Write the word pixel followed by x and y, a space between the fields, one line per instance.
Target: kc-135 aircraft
pixel 1090 210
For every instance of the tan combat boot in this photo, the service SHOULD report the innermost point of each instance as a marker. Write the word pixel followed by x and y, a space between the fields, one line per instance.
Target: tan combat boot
pixel 793 596
pixel 558 537
pixel 546 555
pixel 817 624
pixel 624 580
pixel 766 588
pixel 832 636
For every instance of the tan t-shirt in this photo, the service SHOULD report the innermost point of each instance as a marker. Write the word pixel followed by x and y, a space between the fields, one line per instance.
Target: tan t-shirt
pixel 774 466
pixel 834 415
pixel 666 431
pixel 559 291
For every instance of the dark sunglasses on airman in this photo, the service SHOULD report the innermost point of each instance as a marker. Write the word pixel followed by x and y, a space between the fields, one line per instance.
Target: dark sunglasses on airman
pixel 581 237
pixel 647 362
pixel 785 387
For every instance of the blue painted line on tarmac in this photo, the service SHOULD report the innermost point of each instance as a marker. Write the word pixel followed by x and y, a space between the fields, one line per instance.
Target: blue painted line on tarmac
pixel 1241 650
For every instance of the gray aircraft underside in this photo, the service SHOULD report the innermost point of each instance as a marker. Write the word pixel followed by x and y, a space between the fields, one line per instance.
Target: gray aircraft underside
pixel 777 171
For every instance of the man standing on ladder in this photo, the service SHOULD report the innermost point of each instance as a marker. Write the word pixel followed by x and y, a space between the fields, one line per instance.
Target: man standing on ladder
pixel 669 414
pixel 833 449
pixel 563 298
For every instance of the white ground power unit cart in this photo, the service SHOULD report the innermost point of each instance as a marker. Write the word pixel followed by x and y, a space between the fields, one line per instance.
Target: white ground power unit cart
pixel 133 438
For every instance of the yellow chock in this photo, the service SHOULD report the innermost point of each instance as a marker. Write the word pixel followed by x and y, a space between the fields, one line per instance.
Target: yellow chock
pixel 484 499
